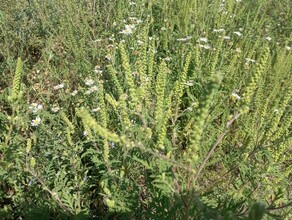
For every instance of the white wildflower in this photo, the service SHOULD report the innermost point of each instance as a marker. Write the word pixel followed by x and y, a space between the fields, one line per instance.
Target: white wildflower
pixel 226 37
pixel 89 82
pixel 40 107
pixel 181 39
pixel 128 29
pixel 139 42
pixel 207 47
pixel 91 90
pixel 236 96
pixel 97 40
pixel 203 39
pixel 95 109
pixel 33 105
pixel 60 86
pixel 190 109
pixel 74 93
pixel 189 83
pixel 135 20
pixel 36 107
pixel 268 38
pixel 108 57
pixel 55 109
pixel 288 48
pixel 35 122
pixel 218 30
pixel 250 60
pixel 184 39
pixel 135 73
pixel 238 50
pixel 97 69
pixel 132 18
pixel 237 33
pixel 94 88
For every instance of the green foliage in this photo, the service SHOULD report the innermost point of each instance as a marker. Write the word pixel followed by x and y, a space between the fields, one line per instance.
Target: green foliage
pixel 161 109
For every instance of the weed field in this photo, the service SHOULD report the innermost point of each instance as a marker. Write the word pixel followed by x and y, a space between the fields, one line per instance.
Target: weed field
pixel 146 109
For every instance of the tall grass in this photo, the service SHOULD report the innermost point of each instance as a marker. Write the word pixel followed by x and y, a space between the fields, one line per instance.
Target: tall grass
pixel 145 109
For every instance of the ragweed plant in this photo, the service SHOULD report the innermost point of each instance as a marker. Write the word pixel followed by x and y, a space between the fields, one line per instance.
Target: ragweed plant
pixel 160 91
pixel 200 118
pixel 16 80
pixel 145 109
pixel 129 76
pixel 247 96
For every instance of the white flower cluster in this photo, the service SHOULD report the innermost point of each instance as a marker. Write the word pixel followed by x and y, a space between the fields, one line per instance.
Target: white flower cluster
pixel 60 86
pixel 204 40
pixel 128 29
pixel 92 88
pixel 34 107
pixel 97 69
pixel 74 93
pixel 218 30
pixel 184 39
pixel 248 60
pixel 89 82
pixel 55 108
pixel 207 47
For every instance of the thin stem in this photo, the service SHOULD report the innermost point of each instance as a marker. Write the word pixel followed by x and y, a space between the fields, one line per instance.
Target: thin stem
pixel 219 140
pixel 179 188
pixel 280 207
pixel 44 186
pixel 7 138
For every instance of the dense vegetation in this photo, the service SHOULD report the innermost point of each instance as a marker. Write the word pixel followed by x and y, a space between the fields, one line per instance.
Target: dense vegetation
pixel 145 109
